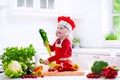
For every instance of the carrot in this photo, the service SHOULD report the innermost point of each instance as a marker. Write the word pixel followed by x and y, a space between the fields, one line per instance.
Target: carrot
pixel 40 67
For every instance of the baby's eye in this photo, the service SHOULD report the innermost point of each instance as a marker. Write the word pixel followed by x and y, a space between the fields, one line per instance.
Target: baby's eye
pixel 61 28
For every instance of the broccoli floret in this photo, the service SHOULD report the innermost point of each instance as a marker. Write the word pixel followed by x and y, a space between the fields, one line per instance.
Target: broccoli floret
pixel 98 66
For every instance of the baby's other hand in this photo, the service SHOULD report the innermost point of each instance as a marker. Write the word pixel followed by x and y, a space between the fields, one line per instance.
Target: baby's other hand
pixel 46 62
pixel 44 44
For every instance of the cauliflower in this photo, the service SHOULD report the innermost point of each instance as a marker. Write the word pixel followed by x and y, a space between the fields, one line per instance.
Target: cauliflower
pixel 13 69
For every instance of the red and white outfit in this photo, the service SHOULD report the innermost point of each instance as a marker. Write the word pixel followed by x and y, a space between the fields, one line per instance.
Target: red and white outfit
pixel 63 51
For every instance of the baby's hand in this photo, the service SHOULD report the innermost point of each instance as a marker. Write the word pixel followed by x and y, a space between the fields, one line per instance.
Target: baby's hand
pixel 44 44
pixel 46 62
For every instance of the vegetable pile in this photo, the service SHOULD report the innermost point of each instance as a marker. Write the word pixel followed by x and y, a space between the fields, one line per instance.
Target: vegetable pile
pixel 102 69
pixel 18 61
pixel 21 55
pixel 66 66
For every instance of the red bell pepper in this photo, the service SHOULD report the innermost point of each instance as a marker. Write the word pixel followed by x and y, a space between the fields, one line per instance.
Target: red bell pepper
pixel 67 63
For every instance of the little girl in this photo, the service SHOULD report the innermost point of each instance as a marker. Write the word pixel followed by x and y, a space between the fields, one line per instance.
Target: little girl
pixel 62 46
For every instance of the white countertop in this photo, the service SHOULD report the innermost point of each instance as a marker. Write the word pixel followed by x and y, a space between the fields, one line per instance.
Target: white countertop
pixel 3 77
pixel 97 50
pixel 78 50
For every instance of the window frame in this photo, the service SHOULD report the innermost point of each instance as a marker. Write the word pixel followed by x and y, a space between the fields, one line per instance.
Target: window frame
pixel 108 4
pixel 114 15
pixel 35 10
pixel 110 14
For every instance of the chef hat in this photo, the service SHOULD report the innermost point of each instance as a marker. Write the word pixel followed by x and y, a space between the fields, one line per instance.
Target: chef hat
pixel 67 22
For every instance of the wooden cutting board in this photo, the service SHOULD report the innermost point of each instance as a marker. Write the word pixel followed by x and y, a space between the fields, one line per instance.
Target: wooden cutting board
pixel 65 73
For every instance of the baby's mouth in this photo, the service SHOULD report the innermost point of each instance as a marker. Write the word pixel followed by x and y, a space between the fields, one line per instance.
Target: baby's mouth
pixel 59 33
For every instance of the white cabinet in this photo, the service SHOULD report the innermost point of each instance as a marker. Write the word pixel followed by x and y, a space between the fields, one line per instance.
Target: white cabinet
pixel 117 61
pixel 86 60
pixel 86 57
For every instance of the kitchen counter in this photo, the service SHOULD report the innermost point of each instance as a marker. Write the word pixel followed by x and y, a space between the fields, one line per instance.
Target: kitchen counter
pixel 97 50
pixel 86 56
pixel 3 77
pixel 75 51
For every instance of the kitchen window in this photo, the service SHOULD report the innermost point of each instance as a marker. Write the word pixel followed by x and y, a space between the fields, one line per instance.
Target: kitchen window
pixel 116 17
pixel 34 6
pixel 25 3
pixel 44 4
pixel 111 23
pixel 114 20
pixel 47 4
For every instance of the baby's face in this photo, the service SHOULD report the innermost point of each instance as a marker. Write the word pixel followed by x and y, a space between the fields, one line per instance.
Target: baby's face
pixel 62 31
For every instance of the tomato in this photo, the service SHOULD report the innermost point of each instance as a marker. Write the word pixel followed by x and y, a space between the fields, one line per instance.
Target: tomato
pixel 59 68
pixel 51 69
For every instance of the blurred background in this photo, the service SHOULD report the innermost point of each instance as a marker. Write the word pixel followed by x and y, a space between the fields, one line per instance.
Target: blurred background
pixel 21 19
